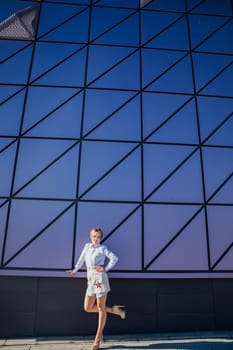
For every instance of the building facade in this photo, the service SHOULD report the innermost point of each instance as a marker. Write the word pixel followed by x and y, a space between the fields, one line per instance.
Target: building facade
pixel 116 114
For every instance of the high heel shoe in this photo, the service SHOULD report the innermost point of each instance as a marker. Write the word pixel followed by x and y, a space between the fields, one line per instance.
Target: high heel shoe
pixel 116 309
pixel 96 345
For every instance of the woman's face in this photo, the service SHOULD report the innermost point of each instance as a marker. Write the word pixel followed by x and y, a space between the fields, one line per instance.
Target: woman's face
pixel 95 238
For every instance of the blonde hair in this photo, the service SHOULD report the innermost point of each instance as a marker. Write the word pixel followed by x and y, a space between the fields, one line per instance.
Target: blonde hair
pixel 97 230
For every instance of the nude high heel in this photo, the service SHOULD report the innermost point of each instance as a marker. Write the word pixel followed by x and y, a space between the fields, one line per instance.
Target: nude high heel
pixel 96 345
pixel 116 309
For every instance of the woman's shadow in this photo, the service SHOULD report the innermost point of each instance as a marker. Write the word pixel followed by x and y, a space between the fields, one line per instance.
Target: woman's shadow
pixel 176 345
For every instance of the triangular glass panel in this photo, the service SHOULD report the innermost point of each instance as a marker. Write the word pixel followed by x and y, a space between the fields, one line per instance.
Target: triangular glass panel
pixel 212 111
pixel 165 5
pixel 5 142
pixel 3 202
pixel 188 251
pixel 7 160
pixel 118 34
pixel 225 263
pixel 40 213
pixel 52 98
pixel 207 66
pixel 118 3
pixel 98 214
pixel 63 122
pixel 35 155
pixel 11 114
pixel 202 26
pixel 7 92
pixel 103 58
pixel 185 185
pixel 177 79
pixel 153 23
pixel 160 161
pixel 58 181
pixel 161 224
pixel 221 42
pixel 3 217
pixel 220 230
pixel 74 1
pixel 9 70
pixel 217 167
pixel 123 125
pixel 157 62
pixel 119 184
pixel 109 100
pixel 193 4
pixel 9 48
pixel 56 238
pixel 125 75
pixel 126 243
pixel 168 40
pixel 74 30
pixel 157 108
pixel 222 85
pixel 181 128
pixel 49 55
pixel 111 17
pixel 214 7
pixel 101 156
pixel 50 18
pixel 225 194
pixel 223 136
pixel 68 73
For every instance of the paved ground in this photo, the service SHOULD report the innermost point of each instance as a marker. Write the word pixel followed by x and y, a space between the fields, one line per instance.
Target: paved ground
pixel 165 341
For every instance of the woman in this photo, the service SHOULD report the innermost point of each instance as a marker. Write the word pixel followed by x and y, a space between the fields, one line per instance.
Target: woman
pixel 94 254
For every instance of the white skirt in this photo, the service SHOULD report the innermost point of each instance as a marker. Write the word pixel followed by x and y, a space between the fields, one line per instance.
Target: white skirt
pixel 97 283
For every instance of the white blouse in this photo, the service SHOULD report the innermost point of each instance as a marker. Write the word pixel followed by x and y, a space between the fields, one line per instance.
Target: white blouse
pixel 94 256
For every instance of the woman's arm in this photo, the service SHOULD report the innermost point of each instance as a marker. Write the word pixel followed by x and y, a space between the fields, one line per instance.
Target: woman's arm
pixel 80 261
pixel 112 259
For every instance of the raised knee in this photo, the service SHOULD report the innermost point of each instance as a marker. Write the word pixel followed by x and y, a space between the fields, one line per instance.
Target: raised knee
pixel 87 308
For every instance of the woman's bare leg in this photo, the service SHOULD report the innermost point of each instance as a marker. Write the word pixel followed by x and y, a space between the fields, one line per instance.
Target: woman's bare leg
pixel 102 310
pixel 94 304
pixel 90 303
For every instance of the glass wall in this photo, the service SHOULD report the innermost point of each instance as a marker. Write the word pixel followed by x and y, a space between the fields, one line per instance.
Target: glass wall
pixel 118 116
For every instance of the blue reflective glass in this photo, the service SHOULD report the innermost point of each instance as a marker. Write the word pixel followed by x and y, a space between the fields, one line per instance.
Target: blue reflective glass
pixel 11 113
pixel 53 16
pixel 34 230
pixel 37 155
pixel 159 230
pixel 168 5
pixel 192 243
pixel 221 42
pixel 220 219
pixel 15 70
pixel 214 7
pixel 7 160
pixel 106 18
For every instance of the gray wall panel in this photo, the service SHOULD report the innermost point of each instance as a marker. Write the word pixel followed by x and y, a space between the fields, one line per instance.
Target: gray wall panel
pixel 40 306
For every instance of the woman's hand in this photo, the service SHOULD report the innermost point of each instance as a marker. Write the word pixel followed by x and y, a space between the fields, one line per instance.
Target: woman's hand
pixel 100 269
pixel 70 272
